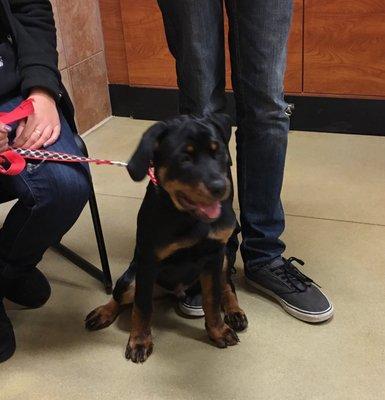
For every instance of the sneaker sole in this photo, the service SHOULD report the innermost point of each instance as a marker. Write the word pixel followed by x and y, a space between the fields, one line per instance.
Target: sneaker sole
pixel 196 312
pixel 306 316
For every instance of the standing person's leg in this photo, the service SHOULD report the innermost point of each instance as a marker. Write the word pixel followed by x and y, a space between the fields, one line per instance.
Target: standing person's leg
pixel 195 36
pixel 50 197
pixel 258 39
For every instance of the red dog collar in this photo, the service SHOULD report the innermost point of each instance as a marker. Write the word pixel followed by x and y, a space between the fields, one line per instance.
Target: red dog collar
pixel 151 175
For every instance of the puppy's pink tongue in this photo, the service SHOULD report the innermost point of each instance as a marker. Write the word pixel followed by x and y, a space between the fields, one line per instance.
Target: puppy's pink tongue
pixel 212 212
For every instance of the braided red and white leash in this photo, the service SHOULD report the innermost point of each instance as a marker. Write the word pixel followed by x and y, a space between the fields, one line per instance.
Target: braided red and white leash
pixel 45 155
pixel 12 161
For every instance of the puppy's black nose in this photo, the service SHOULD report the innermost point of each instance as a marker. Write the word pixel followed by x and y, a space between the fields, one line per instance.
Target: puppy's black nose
pixel 217 187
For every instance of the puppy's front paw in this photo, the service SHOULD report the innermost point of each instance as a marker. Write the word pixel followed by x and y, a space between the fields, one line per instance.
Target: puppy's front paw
pixel 139 348
pixel 237 320
pixel 223 336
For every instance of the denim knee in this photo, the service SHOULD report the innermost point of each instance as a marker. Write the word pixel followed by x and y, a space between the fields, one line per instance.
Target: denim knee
pixel 72 189
pixel 64 193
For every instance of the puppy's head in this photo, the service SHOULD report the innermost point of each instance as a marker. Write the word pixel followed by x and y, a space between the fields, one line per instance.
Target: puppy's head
pixel 191 160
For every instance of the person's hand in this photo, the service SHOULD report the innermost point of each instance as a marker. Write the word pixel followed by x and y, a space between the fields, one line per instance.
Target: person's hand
pixel 42 128
pixel 4 130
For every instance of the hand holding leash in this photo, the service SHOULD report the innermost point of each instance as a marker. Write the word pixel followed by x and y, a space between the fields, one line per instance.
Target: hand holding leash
pixel 42 127
pixel 12 161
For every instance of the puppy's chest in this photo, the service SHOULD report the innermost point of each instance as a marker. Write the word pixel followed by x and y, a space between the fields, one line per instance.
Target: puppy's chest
pixel 202 239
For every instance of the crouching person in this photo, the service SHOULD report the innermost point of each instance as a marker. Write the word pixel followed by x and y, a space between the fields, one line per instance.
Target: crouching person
pixel 50 196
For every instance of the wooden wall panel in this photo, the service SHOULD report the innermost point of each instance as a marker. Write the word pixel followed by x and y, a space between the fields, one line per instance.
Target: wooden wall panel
pixel 150 63
pixel 293 81
pixel 148 59
pixel 114 41
pixel 345 47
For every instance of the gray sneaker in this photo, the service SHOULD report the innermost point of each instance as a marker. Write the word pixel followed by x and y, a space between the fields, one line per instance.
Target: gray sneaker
pixel 295 292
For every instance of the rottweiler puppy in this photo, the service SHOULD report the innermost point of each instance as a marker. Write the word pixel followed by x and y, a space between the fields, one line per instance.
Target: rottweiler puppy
pixel 183 226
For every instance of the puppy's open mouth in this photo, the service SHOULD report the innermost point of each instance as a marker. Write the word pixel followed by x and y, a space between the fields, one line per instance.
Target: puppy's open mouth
pixel 203 211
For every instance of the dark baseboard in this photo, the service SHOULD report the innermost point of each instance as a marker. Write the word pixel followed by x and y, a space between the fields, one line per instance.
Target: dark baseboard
pixel 320 114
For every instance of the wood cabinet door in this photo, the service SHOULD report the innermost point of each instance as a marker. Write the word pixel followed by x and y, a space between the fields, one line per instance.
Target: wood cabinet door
pixel 294 75
pixel 148 59
pixel 344 47
pixel 150 63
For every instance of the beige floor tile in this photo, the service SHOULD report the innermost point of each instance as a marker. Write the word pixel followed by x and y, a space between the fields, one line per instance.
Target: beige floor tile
pixel 278 357
pixel 336 176
pixel 327 175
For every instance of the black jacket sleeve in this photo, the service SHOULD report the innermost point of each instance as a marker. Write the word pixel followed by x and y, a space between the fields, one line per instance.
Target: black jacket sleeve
pixel 35 37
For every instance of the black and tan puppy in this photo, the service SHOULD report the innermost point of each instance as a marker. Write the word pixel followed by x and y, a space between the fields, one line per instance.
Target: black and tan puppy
pixel 184 223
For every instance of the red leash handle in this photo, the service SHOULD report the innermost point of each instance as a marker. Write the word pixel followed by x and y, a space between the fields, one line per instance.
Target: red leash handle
pixel 11 163
pixel 24 110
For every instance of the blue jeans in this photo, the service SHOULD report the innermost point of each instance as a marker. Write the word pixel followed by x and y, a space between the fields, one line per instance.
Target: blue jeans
pixel 50 197
pixel 258 38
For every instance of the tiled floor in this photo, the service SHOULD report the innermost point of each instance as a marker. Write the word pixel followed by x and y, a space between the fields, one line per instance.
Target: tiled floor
pixel 334 197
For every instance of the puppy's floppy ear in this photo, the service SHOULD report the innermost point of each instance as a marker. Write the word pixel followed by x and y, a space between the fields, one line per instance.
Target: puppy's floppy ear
pixel 223 122
pixel 140 161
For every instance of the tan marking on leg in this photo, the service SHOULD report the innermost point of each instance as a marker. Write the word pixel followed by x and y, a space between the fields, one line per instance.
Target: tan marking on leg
pixel 229 298
pixel 212 311
pixel 218 331
pixel 140 344
pixel 234 315
pixel 141 325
